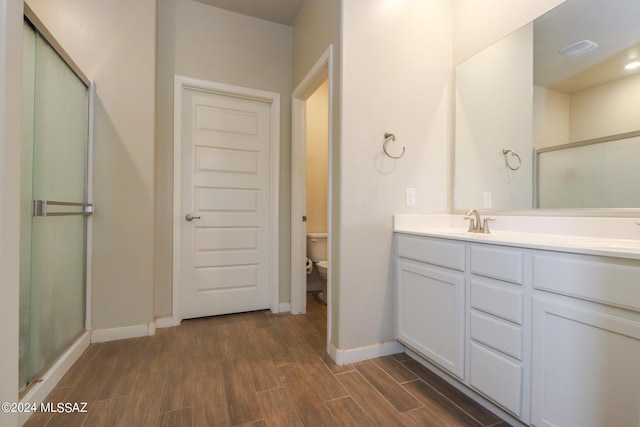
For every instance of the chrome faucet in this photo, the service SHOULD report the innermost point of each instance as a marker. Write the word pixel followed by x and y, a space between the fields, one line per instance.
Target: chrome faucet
pixel 475 225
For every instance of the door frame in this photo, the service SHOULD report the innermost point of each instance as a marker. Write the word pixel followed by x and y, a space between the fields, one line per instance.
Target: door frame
pixel 321 71
pixel 182 83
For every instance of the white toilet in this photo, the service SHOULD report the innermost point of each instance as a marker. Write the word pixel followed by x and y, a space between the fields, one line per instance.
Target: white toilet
pixel 317 252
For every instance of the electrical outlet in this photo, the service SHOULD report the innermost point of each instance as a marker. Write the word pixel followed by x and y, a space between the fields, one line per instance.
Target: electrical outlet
pixel 487 199
pixel 410 197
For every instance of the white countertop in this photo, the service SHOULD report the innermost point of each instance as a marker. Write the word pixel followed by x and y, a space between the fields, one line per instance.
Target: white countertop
pixel 612 237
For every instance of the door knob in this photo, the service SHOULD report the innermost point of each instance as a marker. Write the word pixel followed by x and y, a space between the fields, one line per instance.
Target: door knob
pixel 190 217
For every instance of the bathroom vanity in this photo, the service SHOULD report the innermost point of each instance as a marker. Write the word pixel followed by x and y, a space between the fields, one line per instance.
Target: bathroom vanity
pixel 544 325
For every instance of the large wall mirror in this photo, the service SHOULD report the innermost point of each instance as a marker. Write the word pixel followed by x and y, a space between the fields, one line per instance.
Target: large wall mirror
pixel 549 117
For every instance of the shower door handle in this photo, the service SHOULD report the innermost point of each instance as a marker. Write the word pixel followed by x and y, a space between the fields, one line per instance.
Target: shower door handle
pixel 40 208
pixel 190 217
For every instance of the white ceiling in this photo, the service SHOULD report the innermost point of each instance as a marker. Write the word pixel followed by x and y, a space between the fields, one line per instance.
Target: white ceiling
pixel 280 11
pixel 613 24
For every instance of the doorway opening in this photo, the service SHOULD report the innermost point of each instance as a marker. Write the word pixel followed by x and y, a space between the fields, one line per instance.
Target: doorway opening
pixel 317 183
pixel 311 184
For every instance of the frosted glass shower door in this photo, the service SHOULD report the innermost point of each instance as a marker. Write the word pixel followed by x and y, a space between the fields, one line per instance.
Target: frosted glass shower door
pixel 54 183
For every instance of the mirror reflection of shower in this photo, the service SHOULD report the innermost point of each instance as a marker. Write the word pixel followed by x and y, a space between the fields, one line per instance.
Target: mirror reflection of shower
pixel 317 126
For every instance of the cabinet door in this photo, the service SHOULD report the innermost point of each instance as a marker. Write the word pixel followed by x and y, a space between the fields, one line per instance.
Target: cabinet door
pixel 430 314
pixel 585 367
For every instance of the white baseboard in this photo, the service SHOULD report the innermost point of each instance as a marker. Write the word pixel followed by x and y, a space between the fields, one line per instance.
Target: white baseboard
pixel 123 333
pixel 166 322
pixel 284 307
pixel 39 391
pixel 358 354
pixel 152 329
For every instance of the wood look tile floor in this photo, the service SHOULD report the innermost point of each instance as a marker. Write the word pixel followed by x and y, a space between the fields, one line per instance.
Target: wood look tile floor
pixel 252 369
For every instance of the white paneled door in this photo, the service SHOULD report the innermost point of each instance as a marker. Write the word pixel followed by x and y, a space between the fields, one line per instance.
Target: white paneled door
pixel 226 196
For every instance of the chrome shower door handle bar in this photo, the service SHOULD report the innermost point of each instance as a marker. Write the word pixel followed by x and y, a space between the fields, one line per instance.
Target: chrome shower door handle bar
pixel 40 208
pixel 190 217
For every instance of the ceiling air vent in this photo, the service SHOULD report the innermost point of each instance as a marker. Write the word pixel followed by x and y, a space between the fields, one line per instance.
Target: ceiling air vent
pixel 579 48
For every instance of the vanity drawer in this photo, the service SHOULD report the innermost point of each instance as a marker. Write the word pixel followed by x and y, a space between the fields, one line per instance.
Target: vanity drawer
pixel 432 251
pixel 496 377
pixel 497 300
pixel 497 334
pixel 501 264
pixel 593 278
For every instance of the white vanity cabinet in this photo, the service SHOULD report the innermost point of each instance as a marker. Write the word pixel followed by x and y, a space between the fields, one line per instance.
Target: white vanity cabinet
pixel 430 297
pixel 550 336
pixel 586 341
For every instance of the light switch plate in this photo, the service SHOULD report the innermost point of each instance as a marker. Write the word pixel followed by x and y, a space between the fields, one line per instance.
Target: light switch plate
pixel 410 197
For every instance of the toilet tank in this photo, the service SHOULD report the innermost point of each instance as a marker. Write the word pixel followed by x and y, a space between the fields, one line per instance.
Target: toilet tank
pixel 317 246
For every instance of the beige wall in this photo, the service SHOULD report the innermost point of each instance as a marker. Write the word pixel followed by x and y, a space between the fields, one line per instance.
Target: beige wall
pixel 479 23
pixel 605 110
pixel 204 42
pixel 113 42
pixel 550 117
pixel 317 159
pixel 396 73
pixel 10 137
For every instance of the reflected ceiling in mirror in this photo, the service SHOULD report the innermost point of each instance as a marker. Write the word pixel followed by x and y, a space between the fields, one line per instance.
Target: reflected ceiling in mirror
pixel 613 25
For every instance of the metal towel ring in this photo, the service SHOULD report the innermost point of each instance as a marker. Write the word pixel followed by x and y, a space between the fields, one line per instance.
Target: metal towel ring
pixel 387 138
pixel 506 151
